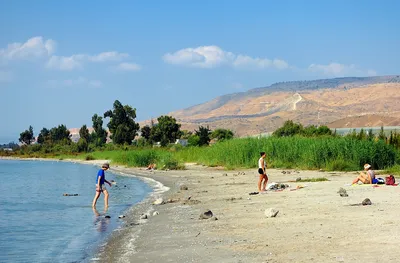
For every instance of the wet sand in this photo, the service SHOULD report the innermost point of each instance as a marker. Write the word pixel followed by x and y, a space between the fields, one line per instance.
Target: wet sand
pixel 314 223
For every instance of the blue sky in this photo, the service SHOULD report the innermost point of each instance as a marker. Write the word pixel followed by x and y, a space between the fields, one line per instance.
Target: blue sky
pixel 63 61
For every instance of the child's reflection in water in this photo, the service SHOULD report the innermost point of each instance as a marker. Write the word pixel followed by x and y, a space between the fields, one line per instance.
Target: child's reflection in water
pixel 100 220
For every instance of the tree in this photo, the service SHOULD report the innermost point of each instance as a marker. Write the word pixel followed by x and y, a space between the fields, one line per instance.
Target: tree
pixel 122 123
pixel 222 134
pixel 185 134
pixel 323 130
pixel 60 134
pixel 146 132
pixel 382 135
pixel 83 143
pixel 370 135
pixel 84 133
pixel 361 135
pixel 289 128
pixel 44 136
pixel 26 137
pixel 204 135
pixel 99 135
pixel 165 131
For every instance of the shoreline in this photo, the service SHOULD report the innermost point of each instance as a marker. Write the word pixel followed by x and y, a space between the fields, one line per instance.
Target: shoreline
pixel 314 223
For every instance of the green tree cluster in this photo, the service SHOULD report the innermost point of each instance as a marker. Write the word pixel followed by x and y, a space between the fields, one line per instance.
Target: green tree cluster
pixel 122 123
pixel 291 128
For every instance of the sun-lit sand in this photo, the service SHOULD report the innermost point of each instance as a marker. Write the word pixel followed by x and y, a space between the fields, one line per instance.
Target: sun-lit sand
pixel 314 223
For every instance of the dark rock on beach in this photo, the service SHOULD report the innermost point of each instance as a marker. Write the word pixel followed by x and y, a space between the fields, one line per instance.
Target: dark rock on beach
pixel 342 192
pixel 183 187
pixel 206 214
pixel 366 201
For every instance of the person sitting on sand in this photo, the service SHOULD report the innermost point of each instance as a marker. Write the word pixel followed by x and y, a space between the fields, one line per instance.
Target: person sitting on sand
pixel 151 166
pixel 367 177
pixel 100 188
pixel 261 171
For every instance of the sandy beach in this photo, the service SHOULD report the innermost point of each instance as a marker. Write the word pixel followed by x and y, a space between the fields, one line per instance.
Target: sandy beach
pixel 314 223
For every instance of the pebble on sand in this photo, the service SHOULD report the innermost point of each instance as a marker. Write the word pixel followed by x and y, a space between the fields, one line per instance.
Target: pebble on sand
pixel 272 212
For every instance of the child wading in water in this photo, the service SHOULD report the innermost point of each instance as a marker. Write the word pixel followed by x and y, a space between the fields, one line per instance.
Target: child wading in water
pixel 261 171
pixel 100 187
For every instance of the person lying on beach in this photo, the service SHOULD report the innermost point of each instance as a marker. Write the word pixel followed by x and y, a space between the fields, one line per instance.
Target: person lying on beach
pixel 100 187
pixel 367 177
pixel 261 171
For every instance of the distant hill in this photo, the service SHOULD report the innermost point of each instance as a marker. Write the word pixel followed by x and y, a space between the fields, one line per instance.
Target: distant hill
pixel 316 102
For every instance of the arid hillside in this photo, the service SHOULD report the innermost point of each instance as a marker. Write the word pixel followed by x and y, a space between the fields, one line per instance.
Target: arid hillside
pixel 341 102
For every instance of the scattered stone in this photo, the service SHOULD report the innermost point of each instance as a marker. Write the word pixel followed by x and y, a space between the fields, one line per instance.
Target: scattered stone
pixel 121 216
pixel 288 172
pixel 170 200
pixel 272 212
pixel 144 216
pixel 342 192
pixel 183 187
pixel 298 179
pixel 107 216
pixel 191 202
pixel 284 172
pixel 214 218
pixel 206 214
pixel 233 199
pixel 156 213
pixel 189 197
pixel 159 201
pixel 134 224
pixel 366 201
pixel 225 174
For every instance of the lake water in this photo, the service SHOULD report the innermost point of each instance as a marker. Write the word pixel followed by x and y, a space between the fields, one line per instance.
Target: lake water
pixel 39 224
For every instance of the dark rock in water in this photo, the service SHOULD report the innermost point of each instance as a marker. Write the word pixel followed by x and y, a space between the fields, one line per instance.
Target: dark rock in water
pixel 65 194
pixel 184 187
pixel 121 216
pixel 206 214
pixel 366 201
pixel 107 216
pixel 124 185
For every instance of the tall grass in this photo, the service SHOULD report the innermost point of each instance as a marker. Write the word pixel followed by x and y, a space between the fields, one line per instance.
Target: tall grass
pixel 330 153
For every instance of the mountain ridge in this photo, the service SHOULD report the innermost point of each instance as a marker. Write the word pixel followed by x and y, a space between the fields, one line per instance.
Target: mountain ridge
pixel 315 102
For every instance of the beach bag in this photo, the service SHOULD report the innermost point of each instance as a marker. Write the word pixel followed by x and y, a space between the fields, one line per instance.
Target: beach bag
pixel 390 180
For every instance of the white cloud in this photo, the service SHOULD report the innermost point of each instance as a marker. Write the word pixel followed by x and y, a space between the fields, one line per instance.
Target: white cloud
pixel 6 76
pixel 77 61
pixel 35 47
pixel 129 67
pixel 79 82
pixel 259 63
pixel 340 70
pixel 108 56
pixel 214 56
pixel 64 63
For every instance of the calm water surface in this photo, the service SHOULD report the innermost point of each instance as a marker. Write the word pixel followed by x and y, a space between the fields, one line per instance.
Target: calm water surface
pixel 39 224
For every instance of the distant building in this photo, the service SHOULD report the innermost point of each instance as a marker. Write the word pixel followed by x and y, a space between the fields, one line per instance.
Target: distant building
pixel 183 142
